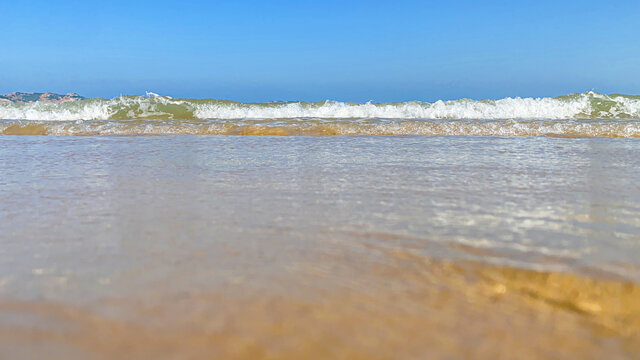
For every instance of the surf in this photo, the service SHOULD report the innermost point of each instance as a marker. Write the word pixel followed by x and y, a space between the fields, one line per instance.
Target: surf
pixel 588 105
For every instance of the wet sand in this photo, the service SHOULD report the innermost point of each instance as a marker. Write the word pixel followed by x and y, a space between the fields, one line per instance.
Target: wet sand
pixel 189 247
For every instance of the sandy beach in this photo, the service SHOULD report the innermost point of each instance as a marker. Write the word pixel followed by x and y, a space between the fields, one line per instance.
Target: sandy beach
pixel 369 247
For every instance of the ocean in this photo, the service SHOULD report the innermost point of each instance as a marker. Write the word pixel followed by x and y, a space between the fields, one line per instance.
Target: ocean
pixel 588 114
pixel 183 229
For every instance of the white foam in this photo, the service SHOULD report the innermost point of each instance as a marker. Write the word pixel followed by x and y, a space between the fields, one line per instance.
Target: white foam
pixel 154 105
pixel 461 109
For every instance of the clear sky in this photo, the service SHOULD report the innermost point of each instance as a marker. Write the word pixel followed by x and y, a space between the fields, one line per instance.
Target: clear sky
pixel 315 50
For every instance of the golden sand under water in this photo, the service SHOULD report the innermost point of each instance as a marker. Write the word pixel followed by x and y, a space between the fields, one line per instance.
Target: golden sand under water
pixel 436 310
pixel 329 127
pixel 367 247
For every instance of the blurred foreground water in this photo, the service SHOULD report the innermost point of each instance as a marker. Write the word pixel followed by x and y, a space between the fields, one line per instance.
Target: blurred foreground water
pixel 371 247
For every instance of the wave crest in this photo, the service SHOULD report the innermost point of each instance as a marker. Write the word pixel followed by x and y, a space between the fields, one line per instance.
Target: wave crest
pixel 588 105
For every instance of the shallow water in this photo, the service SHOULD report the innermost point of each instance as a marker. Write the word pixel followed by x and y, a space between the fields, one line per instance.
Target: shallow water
pixel 572 128
pixel 312 247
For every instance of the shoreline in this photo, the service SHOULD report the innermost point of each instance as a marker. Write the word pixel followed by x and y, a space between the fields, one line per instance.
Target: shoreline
pixel 317 247
pixel 436 311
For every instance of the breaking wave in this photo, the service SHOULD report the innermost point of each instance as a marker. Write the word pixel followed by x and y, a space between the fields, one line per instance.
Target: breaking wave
pixel 587 114
pixel 588 105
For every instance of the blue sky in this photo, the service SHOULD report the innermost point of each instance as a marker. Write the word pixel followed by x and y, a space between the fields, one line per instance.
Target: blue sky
pixel 314 50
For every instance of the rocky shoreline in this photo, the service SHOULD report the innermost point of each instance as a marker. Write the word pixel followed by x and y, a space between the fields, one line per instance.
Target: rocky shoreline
pixel 46 97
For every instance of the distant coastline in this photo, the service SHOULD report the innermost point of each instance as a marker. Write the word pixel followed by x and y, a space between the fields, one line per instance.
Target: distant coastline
pixel 46 97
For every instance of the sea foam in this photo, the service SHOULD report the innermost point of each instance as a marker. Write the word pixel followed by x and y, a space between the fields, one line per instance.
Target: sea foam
pixel 587 105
